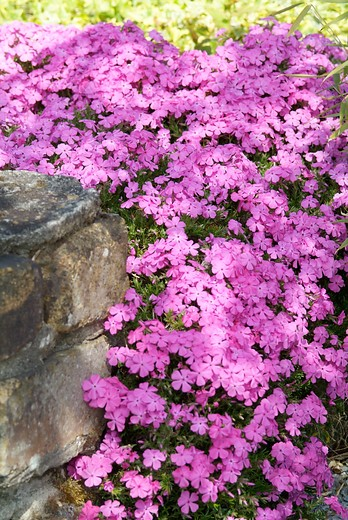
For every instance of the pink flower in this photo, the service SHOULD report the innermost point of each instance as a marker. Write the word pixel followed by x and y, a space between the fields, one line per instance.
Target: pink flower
pixel 141 364
pixel 182 456
pixel 113 509
pixel 209 491
pixel 138 485
pixel 187 502
pixel 94 469
pixel 108 486
pixel 89 511
pixel 145 510
pixel 153 458
pixel 268 514
pixel 95 389
pixel 337 507
pixel 199 425
pixel 182 379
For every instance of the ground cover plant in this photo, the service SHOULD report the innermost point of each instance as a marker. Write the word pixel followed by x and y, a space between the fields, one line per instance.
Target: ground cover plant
pixel 230 348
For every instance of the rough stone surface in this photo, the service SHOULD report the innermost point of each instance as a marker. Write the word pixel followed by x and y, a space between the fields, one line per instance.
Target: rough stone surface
pixel 47 342
pixel 31 357
pixel 85 274
pixel 36 209
pixel 40 499
pixel 21 303
pixel 43 420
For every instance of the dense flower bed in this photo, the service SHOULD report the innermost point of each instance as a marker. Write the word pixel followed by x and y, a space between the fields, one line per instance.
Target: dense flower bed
pixel 234 343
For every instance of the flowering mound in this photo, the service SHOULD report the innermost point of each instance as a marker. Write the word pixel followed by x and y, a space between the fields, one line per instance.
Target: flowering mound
pixel 233 344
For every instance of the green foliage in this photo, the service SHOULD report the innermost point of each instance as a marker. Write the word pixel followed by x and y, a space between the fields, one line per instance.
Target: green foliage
pixel 185 23
pixel 340 72
pixel 321 16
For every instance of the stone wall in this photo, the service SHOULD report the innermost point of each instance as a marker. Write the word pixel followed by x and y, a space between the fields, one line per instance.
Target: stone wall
pixel 62 265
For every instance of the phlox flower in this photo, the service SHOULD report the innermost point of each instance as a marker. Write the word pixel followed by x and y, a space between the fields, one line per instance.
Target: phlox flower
pixel 336 283
pixel 145 510
pixel 285 452
pixel 182 476
pixel 309 202
pixel 338 508
pixel 235 227
pixel 108 486
pixel 340 318
pixel 199 425
pixel 268 514
pixel 201 469
pixel 95 391
pixel 94 469
pixel 187 502
pixel 182 380
pixel 153 458
pixel 132 296
pixel 89 511
pixel 302 413
pixel 283 480
pixel 320 334
pixel 139 486
pixel 114 323
pixel 113 509
pixel 182 456
pixel 141 364
pixel 117 416
pixel 73 467
pixel 208 491
pixel 117 355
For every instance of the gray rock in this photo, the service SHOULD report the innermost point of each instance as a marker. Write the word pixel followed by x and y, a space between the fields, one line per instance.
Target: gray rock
pixel 36 209
pixel 39 499
pixel 47 342
pixel 21 303
pixel 26 361
pixel 84 274
pixel 43 419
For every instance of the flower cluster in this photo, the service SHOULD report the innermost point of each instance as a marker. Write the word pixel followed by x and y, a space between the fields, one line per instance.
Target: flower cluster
pixel 237 348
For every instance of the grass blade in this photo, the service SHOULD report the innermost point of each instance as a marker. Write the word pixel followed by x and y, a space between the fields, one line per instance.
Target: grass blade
pixel 339 131
pixel 292 6
pixel 343 16
pixel 299 19
pixel 337 69
pixel 301 75
pixel 345 244
pixel 344 112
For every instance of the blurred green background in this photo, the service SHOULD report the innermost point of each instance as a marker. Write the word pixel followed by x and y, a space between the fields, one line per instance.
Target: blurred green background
pixel 185 23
